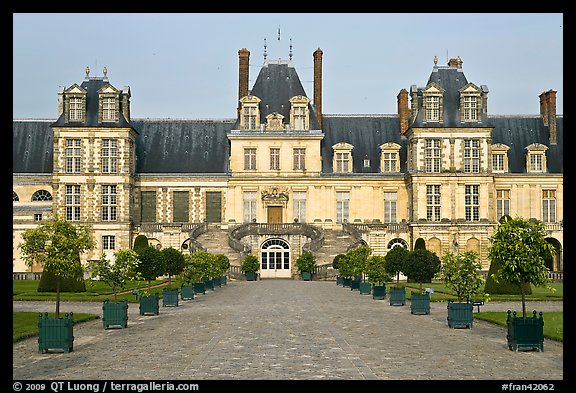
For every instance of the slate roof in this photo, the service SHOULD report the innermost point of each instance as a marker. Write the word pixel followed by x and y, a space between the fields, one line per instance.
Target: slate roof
pixel 275 85
pixel 32 146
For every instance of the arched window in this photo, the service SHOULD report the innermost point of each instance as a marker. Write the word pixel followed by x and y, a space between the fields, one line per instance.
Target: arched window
pixel 15 197
pixel 397 243
pixel 275 255
pixel 41 196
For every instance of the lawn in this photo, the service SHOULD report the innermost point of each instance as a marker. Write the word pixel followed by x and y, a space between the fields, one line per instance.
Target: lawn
pixel 25 324
pixel 553 322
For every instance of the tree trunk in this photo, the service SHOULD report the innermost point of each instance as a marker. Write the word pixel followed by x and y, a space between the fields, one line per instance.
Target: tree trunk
pixel 523 298
pixel 57 297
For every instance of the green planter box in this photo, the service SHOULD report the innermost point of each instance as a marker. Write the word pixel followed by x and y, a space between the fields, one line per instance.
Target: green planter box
pixel 209 284
pixel 187 292
pixel 216 281
pixel 460 314
pixel 525 333
pixel 355 285
pixel 250 276
pixel 379 292
pixel 365 288
pixel 397 296
pixel 223 280
pixel 306 276
pixel 150 304
pixel 55 333
pixel 420 304
pixel 340 280
pixel 346 282
pixel 115 314
pixel 199 287
pixel 170 297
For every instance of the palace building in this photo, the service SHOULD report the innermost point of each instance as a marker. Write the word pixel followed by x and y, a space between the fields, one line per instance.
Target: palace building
pixel 282 177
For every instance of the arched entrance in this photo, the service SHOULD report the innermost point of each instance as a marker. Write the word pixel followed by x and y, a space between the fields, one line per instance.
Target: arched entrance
pixel 555 263
pixel 275 259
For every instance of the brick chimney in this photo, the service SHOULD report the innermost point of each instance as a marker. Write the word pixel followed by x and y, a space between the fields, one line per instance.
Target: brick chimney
pixel 244 60
pixel 318 84
pixel 548 113
pixel 403 111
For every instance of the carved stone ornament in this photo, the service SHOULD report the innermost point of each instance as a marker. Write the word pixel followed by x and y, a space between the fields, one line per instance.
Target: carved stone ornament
pixel 275 196
pixel 274 122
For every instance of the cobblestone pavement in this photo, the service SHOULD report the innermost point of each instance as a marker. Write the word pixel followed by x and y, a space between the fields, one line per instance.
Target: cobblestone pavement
pixel 287 330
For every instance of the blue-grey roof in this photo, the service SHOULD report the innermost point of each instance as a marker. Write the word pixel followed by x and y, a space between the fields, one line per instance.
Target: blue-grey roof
pixel 32 146
pixel 366 133
pixel 275 85
pixel 182 146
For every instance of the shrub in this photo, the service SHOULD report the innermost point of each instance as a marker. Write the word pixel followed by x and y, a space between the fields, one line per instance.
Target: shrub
pixel 48 283
pixel 422 266
pixel 306 262
pixel 140 243
pixel 250 264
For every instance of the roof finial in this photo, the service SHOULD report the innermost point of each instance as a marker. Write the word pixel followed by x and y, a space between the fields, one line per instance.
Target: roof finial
pixel 87 72
pixel 459 61
pixel 105 71
pixel 265 54
pixel 435 60
pixel 290 54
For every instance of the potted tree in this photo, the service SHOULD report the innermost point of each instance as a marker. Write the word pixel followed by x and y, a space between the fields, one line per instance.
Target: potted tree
pixel 356 261
pixel 305 265
pixel 421 266
pixel 116 275
pixel 377 276
pixel 520 249
pixel 461 273
pixel 250 266
pixel 336 266
pixel 173 265
pixel 56 245
pixel 395 263
pixel 224 263
pixel 198 267
pixel 150 266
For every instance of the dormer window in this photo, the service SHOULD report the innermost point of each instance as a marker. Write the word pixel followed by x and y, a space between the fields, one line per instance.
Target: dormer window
pixel 470 103
pixel 108 106
pixel 109 109
pixel 250 114
pixel 433 103
pixel 275 122
pixel 390 157
pixel 342 159
pixel 76 109
pixel 536 158
pixel 75 104
pixel 299 113
pixel 500 158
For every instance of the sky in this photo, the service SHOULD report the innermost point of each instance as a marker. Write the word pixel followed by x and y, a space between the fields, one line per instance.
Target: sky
pixel 185 65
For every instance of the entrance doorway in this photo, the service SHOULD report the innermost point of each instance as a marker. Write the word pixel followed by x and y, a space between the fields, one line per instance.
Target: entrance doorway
pixel 275 259
pixel 274 214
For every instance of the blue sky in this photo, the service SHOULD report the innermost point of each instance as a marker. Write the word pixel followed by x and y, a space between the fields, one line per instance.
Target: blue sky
pixel 186 65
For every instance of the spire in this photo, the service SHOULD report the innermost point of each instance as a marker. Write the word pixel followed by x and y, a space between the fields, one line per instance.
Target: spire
pixel 290 54
pixel 265 54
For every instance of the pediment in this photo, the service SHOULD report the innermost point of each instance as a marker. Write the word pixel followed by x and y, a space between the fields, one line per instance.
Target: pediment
pixel 299 99
pixel 274 121
pixel 250 100
pixel 108 89
pixel 342 146
pixel 536 147
pixel 433 88
pixel 470 88
pixel 390 146
pixel 500 147
pixel 75 89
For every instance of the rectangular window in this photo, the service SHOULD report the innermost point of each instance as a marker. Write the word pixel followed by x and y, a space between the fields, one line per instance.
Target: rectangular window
pixel 433 158
pixel 180 206
pixel 250 117
pixel 549 206
pixel 299 206
pixel 502 203
pixel 37 217
pixel 299 159
pixel 249 159
pixel 274 158
pixel 109 109
pixel 148 206
pixel 342 207
pixel 249 206
pixel 433 202
pixel 471 156
pixel 342 164
pixel 109 202
pixel 432 108
pixel 470 108
pixel 72 203
pixel 73 155
pixel 390 207
pixel 536 163
pixel 299 118
pixel 108 242
pixel 76 109
pixel 498 162
pixel 109 156
pixel 472 202
pixel 389 162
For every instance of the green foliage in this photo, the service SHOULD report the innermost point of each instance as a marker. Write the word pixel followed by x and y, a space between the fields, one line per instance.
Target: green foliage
pixel 223 262
pixel 118 273
pixel 306 262
pixel 519 248
pixel 395 261
pixel 151 264
pixel 197 265
pixel 48 280
pixel 503 287
pixel 250 264
pixel 173 261
pixel 56 245
pixel 140 243
pixel 419 244
pixel 421 266
pixel 336 261
pixel 355 262
pixel 376 270
pixel 461 273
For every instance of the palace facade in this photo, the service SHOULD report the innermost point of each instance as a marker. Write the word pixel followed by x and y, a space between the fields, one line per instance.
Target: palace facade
pixel 282 177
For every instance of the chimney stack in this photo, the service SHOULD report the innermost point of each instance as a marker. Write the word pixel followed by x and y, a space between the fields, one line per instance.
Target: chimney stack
pixel 244 60
pixel 318 84
pixel 548 113
pixel 403 111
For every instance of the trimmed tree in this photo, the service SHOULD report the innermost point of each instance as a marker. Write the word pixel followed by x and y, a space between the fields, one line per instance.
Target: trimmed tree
pixel 306 262
pixel 223 262
pixel 118 273
pixel 396 261
pixel 56 245
pixel 376 270
pixel 356 260
pixel 140 243
pixel 151 264
pixel 461 273
pixel 519 249
pixel 173 262
pixel 250 264
pixel 419 244
pixel 421 266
